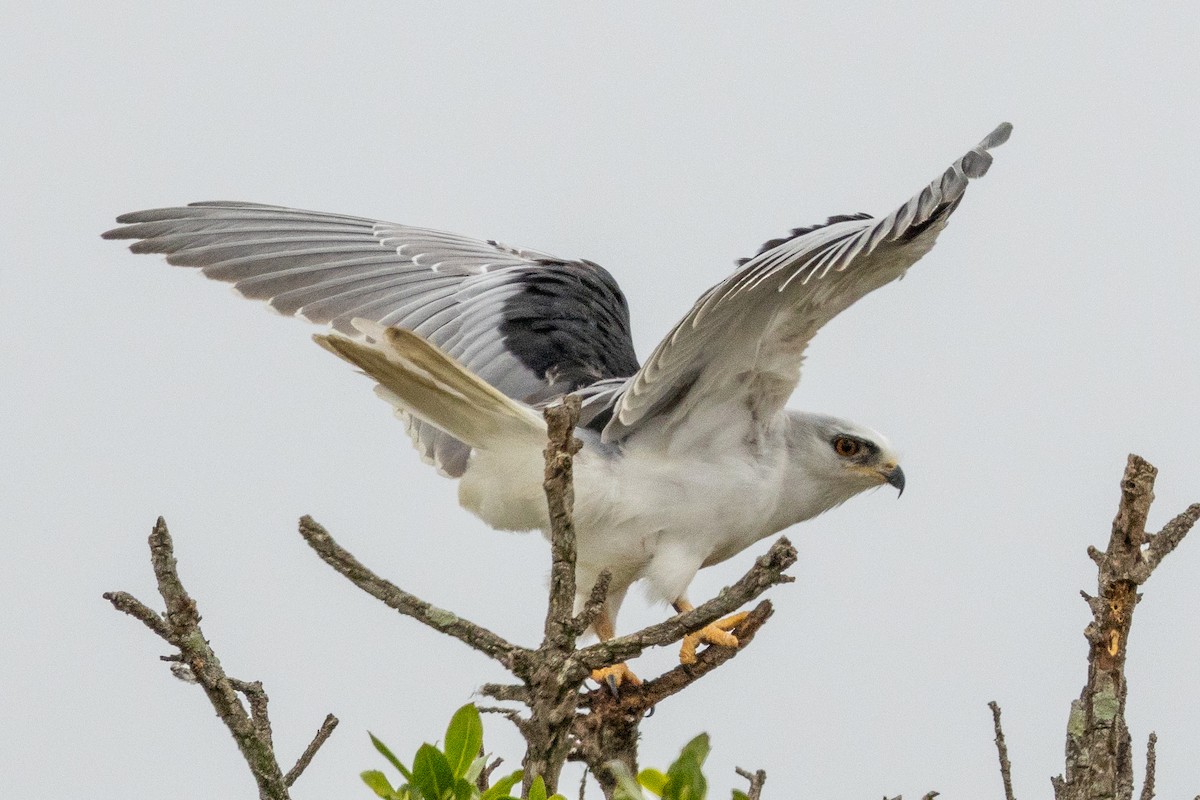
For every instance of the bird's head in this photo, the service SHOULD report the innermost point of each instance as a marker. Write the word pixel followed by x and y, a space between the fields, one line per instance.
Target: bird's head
pixel 851 457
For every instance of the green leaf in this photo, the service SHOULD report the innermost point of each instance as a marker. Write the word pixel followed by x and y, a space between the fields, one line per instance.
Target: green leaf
pixel 537 790
pixel 685 778
pixel 464 789
pixel 653 780
pixel 378 783
pixel 464 738
pixel 627 785
pixel 696 750
pixel 382 748
pixel 501 788
pixel 431 774
pixel 738 794
pixel 476 768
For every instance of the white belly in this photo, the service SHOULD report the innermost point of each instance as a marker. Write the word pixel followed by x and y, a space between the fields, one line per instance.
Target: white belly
pixel 644 514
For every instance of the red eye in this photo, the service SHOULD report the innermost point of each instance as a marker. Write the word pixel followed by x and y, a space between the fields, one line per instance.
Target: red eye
pixel 846 447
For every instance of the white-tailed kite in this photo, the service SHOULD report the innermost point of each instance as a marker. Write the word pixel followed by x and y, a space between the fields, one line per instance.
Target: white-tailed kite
pixel 687 459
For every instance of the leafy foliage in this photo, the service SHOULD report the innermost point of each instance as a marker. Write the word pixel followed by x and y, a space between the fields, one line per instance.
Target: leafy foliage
pixel 449 773
pixel 683 780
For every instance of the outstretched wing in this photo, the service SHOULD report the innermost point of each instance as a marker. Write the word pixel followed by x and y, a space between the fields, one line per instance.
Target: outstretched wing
pixel 530 324
pixel 742 344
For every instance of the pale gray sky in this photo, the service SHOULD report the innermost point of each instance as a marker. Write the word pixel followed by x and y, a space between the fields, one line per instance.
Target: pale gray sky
pixel 1051 331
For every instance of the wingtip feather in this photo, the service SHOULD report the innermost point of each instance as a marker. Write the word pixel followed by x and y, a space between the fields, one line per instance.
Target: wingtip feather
pixel 997 137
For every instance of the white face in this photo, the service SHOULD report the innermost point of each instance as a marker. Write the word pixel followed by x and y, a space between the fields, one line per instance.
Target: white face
pixel 851 454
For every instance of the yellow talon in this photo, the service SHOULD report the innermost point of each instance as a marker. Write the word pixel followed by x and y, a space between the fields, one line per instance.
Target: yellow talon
pixel 614 676
pixel 714 633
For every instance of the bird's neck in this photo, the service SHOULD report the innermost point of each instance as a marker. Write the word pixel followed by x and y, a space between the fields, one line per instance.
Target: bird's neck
pixel 805 492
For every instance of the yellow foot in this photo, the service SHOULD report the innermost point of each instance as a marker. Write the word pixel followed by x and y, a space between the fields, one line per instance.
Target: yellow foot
pixel 614 676
pixel 713 633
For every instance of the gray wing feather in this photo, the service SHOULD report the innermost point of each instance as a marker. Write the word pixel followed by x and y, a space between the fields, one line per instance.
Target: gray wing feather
pixel 470 297
pixel 743 342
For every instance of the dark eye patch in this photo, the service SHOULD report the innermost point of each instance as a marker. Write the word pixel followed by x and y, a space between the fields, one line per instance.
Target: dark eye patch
pixel 866 450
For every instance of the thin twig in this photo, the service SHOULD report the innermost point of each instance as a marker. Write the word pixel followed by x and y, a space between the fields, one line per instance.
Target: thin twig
pixel 1151 764
pixel 756 779
pixel 258 700
pixel 322 736
pixel 128 604
pixel 1162 543
pixel 484 781
pixel 474 636
pixel 510 714
pixel 594 604
pixel 504 691
pixel 1002 751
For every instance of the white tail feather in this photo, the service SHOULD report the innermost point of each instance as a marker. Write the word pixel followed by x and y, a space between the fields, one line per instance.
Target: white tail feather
pixel 419 379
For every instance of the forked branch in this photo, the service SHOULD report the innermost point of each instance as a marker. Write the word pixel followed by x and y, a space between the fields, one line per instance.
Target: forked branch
pixel 1099 759
pixel 180 628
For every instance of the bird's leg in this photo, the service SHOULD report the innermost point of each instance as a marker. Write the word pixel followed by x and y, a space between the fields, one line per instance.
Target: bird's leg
pixel 617 674
pixel 712 633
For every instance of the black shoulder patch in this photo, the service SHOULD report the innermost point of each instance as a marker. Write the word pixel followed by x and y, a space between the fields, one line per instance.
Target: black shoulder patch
pixel 569 324
pixel 798 232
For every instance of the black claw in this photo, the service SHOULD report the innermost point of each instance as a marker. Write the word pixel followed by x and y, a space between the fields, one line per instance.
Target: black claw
pixel 611 680
pixel 649 712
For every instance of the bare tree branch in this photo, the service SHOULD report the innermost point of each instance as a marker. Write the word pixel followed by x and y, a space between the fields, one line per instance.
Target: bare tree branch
pixel 594 605
pixel 505 691
pixel 556 678
pixel 674 681
pixel 322 736
pixel 180 627
pixel 474 636
pixel 127 603
pixel 257 697
pixel 1002 751
pixel 560 500
pixel 1162 543
pixel 1099 759
pixel 1151 764
pixel 756 779
pixel 766 572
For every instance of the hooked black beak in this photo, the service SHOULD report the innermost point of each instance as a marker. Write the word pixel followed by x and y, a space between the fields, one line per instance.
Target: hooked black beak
pixel 896 478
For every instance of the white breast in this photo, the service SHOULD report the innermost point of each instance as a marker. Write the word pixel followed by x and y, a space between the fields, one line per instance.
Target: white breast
pixel 655 510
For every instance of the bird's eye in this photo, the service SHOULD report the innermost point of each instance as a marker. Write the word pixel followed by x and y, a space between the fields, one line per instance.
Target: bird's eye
pixel 846 447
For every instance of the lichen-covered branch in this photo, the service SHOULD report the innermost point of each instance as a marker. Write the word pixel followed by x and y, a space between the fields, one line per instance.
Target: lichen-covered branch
pixel 1099 759
pixel 560 499
pixel 180 627
pixel 554 681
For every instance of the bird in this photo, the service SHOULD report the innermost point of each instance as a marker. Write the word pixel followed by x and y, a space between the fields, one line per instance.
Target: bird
pixel 687 459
